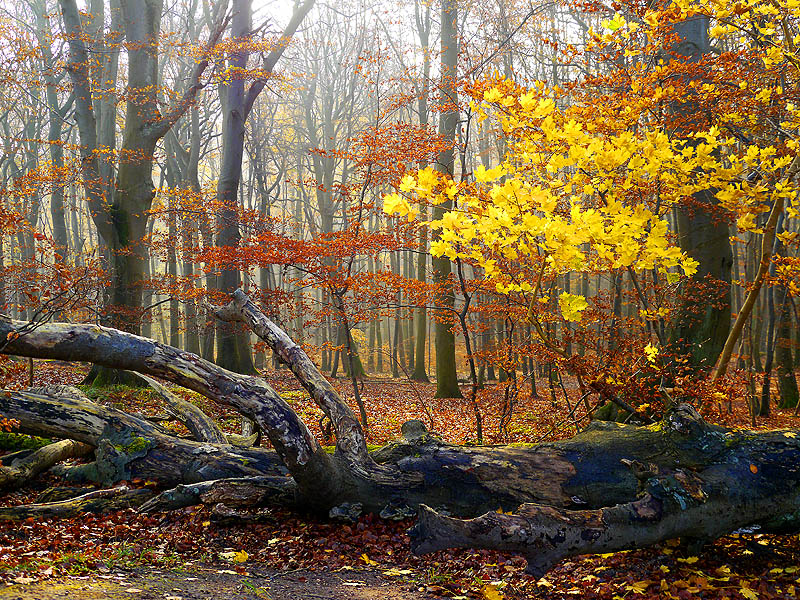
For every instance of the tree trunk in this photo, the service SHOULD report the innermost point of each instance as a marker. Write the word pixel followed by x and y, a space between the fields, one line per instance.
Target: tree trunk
pixel 445 342
pixel 748 482
pixel 423 22
pixel 233 348
pixel 3 303
pixel 92 502
pixel 19 468
pixel 610 487
pixel 121 216
pixel 172 271
pixel 190 230
pixel 787 384
pixel 702 327
pixel 231 353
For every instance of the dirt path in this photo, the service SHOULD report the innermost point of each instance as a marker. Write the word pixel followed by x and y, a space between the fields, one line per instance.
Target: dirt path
pixel 208 582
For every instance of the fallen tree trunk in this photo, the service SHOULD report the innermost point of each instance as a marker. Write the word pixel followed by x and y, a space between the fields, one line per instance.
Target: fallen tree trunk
pixel 127 447
pixel 310 465
pixel 610 487
pixel 195 420
pixel 238 492
pixel 752 481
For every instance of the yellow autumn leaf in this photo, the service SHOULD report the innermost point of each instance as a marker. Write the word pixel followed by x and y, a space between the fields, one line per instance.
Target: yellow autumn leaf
pixel 391 202
pixel 640 587
pixel 398 572
pixel 408 183
pixel 689 266
pixel 233 556
pixel 483 174
pixel 368 560
pixel 651 351
pixel 718 31
pixel 613 24
pixel 572 306
pixel 490 592
pixel 492 95
pixel 748 593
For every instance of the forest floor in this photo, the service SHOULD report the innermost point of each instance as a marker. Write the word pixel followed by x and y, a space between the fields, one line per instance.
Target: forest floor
pixel 187 554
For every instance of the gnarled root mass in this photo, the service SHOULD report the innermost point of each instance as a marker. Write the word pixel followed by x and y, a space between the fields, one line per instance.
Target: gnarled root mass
pixel 611 487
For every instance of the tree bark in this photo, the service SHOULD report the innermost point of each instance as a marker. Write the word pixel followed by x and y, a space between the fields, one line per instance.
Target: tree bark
pixel 233 349
pixel 94 502
pixel 746 481
pixel 121 217
pixel 701 328
pixel 445 342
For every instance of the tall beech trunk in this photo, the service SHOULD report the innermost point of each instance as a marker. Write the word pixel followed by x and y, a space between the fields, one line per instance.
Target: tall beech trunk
pixel 120 211
pixel 233 348
pixel 445 343
pixel 702 327
pixel 423 22
pixel 608 488
pixel 787 384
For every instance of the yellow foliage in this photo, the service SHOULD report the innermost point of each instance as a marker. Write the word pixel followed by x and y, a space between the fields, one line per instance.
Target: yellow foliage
pixel 583 190
pixel 572 306
pixel 651 351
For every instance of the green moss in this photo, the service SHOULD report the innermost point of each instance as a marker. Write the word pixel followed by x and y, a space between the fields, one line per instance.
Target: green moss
pixel 135 446
pixel 520 445
pixel 370 448
pixel 20 441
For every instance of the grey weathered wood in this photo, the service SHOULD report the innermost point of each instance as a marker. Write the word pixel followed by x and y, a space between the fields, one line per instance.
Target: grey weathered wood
pixel 738 479
pixel 310 465
pixel 128 447
pixel 196 421
pixel 18 469
pixel 95 501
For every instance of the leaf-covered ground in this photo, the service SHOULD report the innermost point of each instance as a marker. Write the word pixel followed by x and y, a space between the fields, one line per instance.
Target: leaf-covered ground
pixel 739 566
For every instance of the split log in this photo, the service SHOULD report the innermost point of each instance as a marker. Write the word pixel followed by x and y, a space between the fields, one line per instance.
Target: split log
pixel 96 501
pixel 350 440
pixel 748 480
pixel 610 487
pixel 241 492
pixel 128 447
pixel 314 470
pixel 19 468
